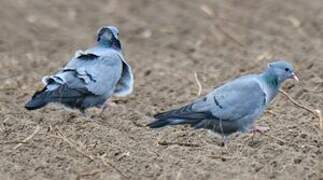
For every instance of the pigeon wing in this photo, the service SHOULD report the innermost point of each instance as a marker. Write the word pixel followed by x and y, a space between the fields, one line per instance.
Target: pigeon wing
pixel 97 74
pixel 103 74
pixel 234 100
pixel 125 84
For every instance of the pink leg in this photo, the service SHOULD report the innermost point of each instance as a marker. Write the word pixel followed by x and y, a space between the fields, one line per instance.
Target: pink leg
pixel 225 142
pixel 107 104
pixel 259 129
pixel 103 108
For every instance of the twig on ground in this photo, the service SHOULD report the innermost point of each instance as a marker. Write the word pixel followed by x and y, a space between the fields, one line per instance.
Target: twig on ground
pixel 271 112
pixel 92 173
pixel 265 134
pixel 8 88
pixel 208 11
pixel 164 143
pixel 13 142
pixel 219 157
pixel 108 165
pixel 275 138
pixel 229 36
pixel 294 21
pixel 320 117
pixel 72 145
pixel 315 112
pixel 198 84
pixel 28 138
pixel 264 55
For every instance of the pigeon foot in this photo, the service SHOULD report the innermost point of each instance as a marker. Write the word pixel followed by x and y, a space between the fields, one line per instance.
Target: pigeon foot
pixel 260 129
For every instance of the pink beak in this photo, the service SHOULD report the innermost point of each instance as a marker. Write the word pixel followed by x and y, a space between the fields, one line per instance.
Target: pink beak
pixel 295 77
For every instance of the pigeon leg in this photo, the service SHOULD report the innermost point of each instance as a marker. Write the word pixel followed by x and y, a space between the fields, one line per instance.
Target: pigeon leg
pixel 83 112
pixel 85 115
pixel 257 129
pixel 104 107
pixel 253 136
pixel 260 129
pixel 224 141
pixel 107 104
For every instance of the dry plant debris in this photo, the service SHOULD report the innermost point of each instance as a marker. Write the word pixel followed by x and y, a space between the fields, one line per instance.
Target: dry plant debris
pixel 315 112
pixel 27 138
pixel 74 146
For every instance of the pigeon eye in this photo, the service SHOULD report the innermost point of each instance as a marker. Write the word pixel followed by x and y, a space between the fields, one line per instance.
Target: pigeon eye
pixel 286 69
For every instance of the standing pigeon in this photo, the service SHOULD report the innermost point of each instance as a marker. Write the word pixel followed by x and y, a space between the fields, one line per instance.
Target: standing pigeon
pixel 90 78
pixel 234 106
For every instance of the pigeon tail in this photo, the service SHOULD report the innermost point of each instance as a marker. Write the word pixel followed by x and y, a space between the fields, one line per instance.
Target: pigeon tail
pixel 184 115
pixel 72 98
pixel 39 100
pixel 164 122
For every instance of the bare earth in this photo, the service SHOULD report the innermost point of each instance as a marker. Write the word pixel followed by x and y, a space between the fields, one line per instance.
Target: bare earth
pixel 165 42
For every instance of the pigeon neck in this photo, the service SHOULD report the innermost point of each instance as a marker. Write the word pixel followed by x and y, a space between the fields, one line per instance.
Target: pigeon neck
pixel 105 44
pixel 271 83
pixel 271 80
pixel 115 44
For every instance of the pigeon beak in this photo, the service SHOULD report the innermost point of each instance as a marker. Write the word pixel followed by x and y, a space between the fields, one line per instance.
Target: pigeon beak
pixel 295 77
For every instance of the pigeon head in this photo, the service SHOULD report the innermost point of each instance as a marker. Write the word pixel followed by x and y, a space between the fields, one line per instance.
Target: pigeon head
pixel 279 71
pixel 108 36
pixel 282 70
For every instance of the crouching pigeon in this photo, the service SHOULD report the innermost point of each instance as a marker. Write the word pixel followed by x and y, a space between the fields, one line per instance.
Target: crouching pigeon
pixel 90 78
pixel 234 106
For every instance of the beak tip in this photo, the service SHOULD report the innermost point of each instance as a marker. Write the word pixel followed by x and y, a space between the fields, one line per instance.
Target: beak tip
pixel 295 77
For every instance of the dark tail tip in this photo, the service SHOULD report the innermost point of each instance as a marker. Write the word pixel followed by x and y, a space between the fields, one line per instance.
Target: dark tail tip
pixel 34 104
pixel 158 115
pixel 38 101
pixel 158 123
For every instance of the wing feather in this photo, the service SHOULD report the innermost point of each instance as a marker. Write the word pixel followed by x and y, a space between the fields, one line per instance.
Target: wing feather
pixel 234 100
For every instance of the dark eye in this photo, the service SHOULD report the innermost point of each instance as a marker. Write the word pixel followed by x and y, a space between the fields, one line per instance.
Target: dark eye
pixel 286 69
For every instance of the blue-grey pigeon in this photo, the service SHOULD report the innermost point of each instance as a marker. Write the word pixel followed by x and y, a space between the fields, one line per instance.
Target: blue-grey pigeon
pixel 234 106
pixel 90 78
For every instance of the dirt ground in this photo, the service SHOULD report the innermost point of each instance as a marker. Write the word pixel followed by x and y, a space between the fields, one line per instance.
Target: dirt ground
pixel 165 42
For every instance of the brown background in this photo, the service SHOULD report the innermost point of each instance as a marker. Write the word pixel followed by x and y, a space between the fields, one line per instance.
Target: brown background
pixel 165 42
